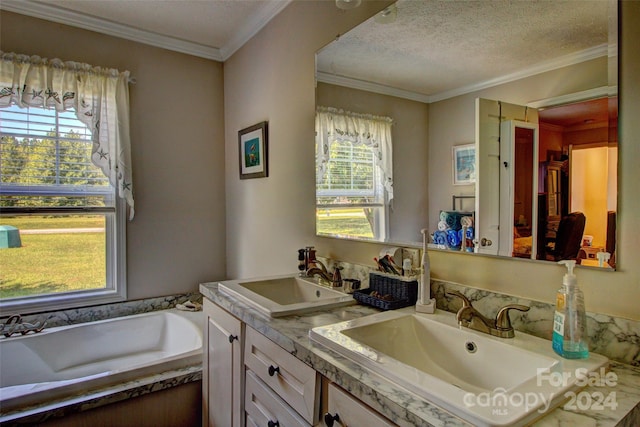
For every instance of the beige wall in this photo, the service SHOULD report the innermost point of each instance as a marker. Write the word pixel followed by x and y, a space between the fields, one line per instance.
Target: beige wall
pixel 268 219
pixel 177 238
pixel 589 178
pixel 272 78
pixel 408 214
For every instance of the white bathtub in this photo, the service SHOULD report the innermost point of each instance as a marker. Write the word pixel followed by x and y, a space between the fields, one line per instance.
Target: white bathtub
pixel 68 360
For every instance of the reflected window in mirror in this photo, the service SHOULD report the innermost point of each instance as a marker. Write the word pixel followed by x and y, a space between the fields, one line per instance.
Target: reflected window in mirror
pixel 354 176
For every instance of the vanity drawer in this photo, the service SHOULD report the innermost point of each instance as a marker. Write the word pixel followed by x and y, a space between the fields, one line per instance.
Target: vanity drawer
pixel 351 412
pixel 296 383
pixel 263 407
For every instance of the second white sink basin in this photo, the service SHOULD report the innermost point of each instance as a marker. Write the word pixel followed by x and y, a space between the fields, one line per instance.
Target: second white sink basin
pixel 285 295
pixel 485 380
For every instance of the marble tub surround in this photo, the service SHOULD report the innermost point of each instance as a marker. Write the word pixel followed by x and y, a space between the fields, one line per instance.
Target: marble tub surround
pixel 30 415
pixel 613 337
pixel 106 311
pixel 396 403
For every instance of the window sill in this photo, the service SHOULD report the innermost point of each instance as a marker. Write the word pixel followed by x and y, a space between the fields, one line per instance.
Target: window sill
pixel 61 301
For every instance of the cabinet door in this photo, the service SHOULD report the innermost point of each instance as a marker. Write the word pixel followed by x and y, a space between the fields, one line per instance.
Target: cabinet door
pixel 222 373
pixel 345 410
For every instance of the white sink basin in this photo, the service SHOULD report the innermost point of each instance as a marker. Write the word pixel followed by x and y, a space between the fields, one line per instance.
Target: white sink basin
pixel 285 295
pixel 485 380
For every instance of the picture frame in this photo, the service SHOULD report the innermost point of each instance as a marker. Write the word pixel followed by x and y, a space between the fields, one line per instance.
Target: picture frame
pixel 253 151
pixel 464 164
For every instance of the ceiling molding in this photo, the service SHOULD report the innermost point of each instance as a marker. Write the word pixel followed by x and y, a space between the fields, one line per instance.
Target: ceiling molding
pixel 584 95
pixel 370 87
pixel 91 23
pixel 252 27
pixel 563 61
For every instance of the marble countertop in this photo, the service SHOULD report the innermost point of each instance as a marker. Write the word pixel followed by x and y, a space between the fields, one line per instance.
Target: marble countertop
pixel 399 405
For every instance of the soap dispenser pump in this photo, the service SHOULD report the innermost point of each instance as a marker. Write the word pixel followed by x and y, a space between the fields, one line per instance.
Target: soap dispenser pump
pixel 569 320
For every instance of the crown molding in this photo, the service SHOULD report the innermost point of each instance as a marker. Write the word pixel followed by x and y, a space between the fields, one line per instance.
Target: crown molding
pixel 597 92
pixel 542 67
pixel 564 61
pixel 91 23
pixel 252 27
pixel 370 87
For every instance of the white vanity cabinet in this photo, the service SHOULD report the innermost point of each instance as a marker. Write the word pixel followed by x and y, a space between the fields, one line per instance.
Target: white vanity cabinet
pixel 222 368
pixel 248 380
pixel 293 381
pixel 345 410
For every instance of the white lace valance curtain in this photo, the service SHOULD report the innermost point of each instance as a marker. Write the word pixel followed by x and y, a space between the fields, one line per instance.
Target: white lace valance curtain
pixel 333 124
pixel 99 96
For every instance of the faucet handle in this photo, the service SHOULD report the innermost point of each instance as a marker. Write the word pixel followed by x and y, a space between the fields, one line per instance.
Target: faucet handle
pixel 503 322
pixel 337 277
pixel 465 301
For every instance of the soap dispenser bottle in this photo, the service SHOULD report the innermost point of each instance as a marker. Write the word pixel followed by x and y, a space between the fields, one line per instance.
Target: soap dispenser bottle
pixel 569 320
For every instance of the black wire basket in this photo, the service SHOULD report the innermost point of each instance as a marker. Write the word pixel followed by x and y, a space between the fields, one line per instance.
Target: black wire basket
pixel 388 292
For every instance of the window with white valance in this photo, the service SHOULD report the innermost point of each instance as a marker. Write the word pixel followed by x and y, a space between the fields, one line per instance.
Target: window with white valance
pixel 65 182
pixel 98 96
pixel 354 173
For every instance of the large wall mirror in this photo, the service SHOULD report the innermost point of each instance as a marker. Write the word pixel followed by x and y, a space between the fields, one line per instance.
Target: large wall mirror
pixel 497 116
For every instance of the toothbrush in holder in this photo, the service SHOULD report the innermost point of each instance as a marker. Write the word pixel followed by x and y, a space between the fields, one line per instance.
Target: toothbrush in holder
pixel 425 303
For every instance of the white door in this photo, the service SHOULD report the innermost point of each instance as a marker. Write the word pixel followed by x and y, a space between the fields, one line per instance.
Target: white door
pixel 514 151
pixel 489 115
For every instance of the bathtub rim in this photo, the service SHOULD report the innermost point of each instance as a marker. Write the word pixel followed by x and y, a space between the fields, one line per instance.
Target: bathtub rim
pixel 112 380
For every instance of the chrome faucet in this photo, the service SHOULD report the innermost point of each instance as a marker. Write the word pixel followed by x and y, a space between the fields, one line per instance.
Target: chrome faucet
pixel 471 318
pixel 334 280
pixel 307 260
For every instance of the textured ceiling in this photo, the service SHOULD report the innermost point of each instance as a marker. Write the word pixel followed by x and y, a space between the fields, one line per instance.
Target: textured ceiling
pixel 436 46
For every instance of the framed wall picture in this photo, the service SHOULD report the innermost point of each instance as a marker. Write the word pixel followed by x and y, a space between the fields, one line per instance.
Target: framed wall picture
pixel 252 146
pixel 464 164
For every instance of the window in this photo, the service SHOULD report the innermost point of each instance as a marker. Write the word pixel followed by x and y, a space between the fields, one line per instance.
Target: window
pixel 354 184
pixel 70 222
pixel 350 197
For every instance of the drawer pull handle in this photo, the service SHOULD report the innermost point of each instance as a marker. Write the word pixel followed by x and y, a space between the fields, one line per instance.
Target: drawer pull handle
pixel 273 423
pixel 329 419
pixel 273 370
pixel 231 338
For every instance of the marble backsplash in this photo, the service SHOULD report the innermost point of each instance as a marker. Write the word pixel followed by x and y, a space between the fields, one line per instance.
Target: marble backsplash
pixel 616 338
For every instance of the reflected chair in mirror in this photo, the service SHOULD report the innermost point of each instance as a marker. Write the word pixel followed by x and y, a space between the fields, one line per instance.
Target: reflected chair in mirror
pixel 568 238
pixel 611 237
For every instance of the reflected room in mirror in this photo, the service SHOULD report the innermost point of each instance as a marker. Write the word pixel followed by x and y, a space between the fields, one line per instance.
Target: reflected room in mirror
pixel 431 74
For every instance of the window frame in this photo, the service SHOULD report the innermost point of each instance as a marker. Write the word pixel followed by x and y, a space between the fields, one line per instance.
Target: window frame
pixel 380 227
pixel 115 289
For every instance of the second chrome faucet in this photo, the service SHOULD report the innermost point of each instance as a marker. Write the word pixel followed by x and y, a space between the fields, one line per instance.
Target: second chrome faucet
pixel 310 266
pixel 471 318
